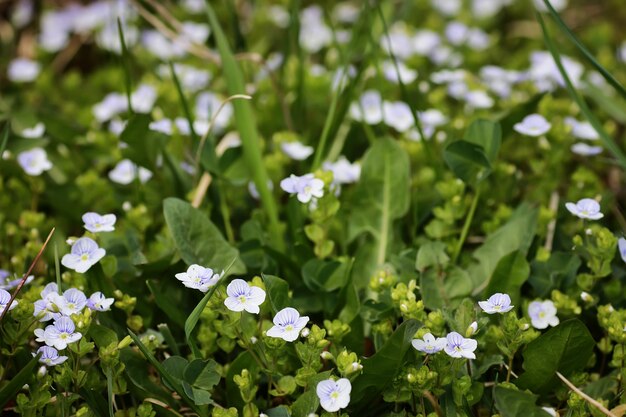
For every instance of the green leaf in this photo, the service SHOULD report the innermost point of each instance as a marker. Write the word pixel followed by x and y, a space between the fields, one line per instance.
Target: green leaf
pixel 164 302
pixel 102 336
pixel 16 383
pixel 277 292
pixel 382 194
pixel 431 254
pixel 516 234
pixel 5 137
pixel 140 376
pixel 244 361
pixel 308 402
pixel 487 135
pixel 197 238
pixel 202 373
pixel 444 288
pixel 468 161
pixel 510 274
pixel 280 411
pixel 327 276
pixel 144 145
pixel 514 403
pixel 564 348
pixel 615 108
pixel 380 369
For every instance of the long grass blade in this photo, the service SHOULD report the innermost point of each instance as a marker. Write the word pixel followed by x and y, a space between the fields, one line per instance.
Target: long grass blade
pixel 183 102
pixel 606 139
pixel 5 138
pixel 246 125
pixel 125 66
pixel 572 37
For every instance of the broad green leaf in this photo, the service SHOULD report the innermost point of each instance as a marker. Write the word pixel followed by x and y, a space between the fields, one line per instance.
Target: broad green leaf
pixel 468 161
pixel 321 275
pixel 516 234
pixel 277 292
pixel 280 411
pixel 202 373
pixel 8 392
pixel 246 126
pixel 382 194
pixel 102 336
pixel 144 144
pixel 139 375
pixel 564 348
pixel 380 369
pixel 198 396
pixel 510 274
pixel 514 403
pixel 445 288
pixel 431 254
pixel 560 269
pixel 175 366
pixel 197 238
pixel 487 135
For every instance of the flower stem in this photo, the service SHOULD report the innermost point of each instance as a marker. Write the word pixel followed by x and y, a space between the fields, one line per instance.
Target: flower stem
pixel 466 226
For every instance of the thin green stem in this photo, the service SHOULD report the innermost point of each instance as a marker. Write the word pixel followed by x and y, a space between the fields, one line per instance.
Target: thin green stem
pixel 230 235
pixel 466 226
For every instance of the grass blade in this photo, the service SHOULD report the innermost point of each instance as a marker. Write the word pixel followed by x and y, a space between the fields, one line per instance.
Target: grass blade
pixel 125 65
pixel 183 102
pixel 5 138
pixel 246 125
pixel 17 382
pixel 606 139
pixel 572 37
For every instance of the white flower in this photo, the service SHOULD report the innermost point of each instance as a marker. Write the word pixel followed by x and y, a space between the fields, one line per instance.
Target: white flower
pixel 550 410
pixel 402 72
pixel 125 172
pixel 296 150
pixel 199 277
pixel 84 254
pixel 72 302
pixel 95 222
pixel 456 33
pixel 398 115
pixel 343 171
pixel 46 307
pixel 428 344
pixel 369 109
pixel 334 395
pixel 314 33
pixel 288 324
pixel 542 314
pixel 7 284
pixel 478 99
pixel 98 302
pixel 497 303
pixel 582 130
pixel 5 297
pixel 583 149
pixel 459 347
pixel 306 187
pixel 242 296
pixel 34 161
pixel 60 334
pixel 50 356
pixel 112 105
pixel 425 41
pixel 533 125
pixel 142 100
pixel 447 7
pixel 163 126
pixel 586 208
pixel 621 244
pixel 34 132
pixel 471 329
pixel 23 70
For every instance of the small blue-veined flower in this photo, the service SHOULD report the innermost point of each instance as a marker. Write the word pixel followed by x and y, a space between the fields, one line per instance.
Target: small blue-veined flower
pixel 287 324
pixel 34 161
pixel 46 307
pixel 84 254
pixel 98 302
pixel 583 149
pixel 242 296
pixel 163 126
pixel 398 115
pixel 369 108
pixel 533 125
pixel 343 171
pixel 296 150
pixel 72 302
pixel 334 395
pixel 497 303
pixel 582 130
pixel 395 73
pixel 459 347
pixel 586 208
pixel 478 99
pixel 50 356
pixel 306 187
pixel 199 277
pixel 126 171
pixel 95 222
pixel 23 70
pixel 429 344
pixel 9 284
pixel 542 314
pixel 59 334
pixel 34 132
pixel 621 245
pixel 5 297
